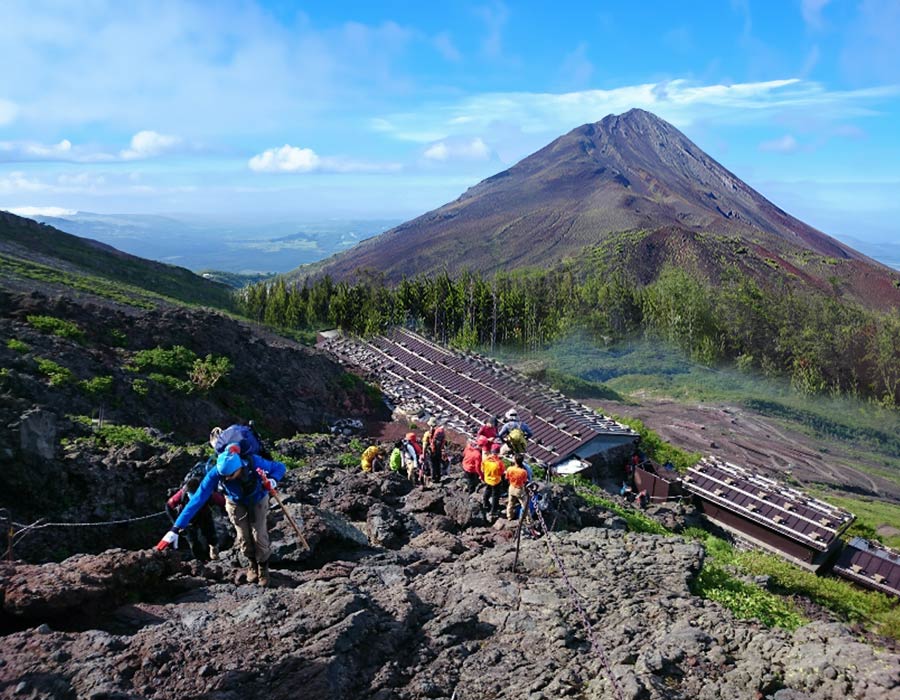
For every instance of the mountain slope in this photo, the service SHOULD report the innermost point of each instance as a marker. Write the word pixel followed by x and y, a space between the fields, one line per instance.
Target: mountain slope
pixel 625 173
pixel 25 241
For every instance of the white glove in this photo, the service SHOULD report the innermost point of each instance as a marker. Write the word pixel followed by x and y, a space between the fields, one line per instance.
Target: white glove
pixel 273 483
pixel 170 539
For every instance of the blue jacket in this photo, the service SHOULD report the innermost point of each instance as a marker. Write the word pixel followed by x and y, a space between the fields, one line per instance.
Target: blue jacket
pixel 246 490
pixel 512 425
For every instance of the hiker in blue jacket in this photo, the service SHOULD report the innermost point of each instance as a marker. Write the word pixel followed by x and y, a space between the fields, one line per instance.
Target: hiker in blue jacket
pixel 247 482
pixel 514 433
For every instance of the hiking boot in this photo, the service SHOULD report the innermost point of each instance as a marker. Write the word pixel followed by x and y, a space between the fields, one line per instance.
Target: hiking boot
pixel 252 572
pixel 213 552
pixel 264 574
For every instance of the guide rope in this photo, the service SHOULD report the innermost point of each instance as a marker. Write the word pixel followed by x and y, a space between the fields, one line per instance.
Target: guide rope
pixel 576 599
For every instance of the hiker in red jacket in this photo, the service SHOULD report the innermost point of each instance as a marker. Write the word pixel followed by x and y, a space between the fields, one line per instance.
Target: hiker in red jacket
pixel 471 463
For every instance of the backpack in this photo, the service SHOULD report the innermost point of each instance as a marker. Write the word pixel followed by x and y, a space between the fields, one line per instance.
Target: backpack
pixel 516 440
pixel 198 471
pixel 243 435
pixel 437 440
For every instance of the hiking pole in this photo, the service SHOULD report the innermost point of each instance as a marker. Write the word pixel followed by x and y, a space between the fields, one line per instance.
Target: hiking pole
pixel 274 494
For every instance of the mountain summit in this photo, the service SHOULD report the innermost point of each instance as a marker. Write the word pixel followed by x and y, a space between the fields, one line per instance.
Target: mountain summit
pixel 631 172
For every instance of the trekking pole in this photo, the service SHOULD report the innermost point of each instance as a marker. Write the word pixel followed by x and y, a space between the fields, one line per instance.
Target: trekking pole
pixel 272 492
pixel 290 519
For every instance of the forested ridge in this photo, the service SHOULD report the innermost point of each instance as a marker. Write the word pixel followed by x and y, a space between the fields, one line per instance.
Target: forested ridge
pixel 822 344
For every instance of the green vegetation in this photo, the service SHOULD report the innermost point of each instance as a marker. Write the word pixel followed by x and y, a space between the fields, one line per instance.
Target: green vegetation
pixel 822 345
pixel 574 386
pixel 871 517
pixel 596 496
pixel 125 294
pixel 115 269
pixel 56 326
pixel 17 345
pixel 658 450
pixel 179 369
pixel 56 373
pixel 97 385
pixel 139 387
pixel 720 581
pixel 351 459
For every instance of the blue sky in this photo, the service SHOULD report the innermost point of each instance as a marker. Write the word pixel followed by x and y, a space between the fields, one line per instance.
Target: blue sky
pixel 387 109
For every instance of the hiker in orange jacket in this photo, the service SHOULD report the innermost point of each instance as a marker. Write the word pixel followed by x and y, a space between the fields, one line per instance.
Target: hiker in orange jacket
pixel 471 464
pixel 517 476
pixel 492 469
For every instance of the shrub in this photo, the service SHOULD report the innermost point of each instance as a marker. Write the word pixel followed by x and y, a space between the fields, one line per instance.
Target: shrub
pixel 56 326
pixel 181 386
pixel 206 373
pixel 112 435
pixel 177 360
pixel 57 374
pixel 97 385
pixel 17 345
pixel 117 338
pixel 139 387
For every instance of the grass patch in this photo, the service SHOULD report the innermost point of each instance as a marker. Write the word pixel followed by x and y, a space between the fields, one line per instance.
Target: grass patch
pixel 17 345
pixel 871 515
pixel 574 386
pixel 56 326
pixel 352 458
pixel 595 495
pixel 97 385
pixel 56 373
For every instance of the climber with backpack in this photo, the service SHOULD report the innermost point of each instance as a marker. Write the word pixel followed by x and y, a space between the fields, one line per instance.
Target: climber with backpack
pixel 201 534
pixel 436 440
pixel 514 433
pixel 247 479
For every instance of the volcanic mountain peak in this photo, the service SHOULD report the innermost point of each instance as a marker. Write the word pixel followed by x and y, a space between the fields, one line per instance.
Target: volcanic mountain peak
pixel 627 172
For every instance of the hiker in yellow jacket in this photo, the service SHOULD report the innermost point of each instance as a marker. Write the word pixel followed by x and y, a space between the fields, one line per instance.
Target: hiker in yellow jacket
pixel 373 459
pixel 492 469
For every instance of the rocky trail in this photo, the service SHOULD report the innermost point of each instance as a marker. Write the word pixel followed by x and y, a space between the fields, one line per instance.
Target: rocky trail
pixel 409 593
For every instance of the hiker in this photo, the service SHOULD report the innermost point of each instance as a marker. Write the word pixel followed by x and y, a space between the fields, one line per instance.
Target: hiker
pixel 517 477
pixel 492 469
pixel 489 430
pixel 247 481
pixel 204 524
pixel 471 463
pixel 514 433
pixel 435 441
pixel 396 458
pixel 412 456
pixel 372 459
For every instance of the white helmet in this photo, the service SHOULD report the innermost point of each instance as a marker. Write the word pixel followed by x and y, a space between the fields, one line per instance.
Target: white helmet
pixel 511 414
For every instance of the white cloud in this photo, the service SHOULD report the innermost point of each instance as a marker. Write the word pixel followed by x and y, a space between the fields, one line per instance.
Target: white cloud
pixel 147 144
pixel 291 159
pixel 468 149
pixel 785 144
pixel 43 211
pixel 287 159
pixel 8 112
pixel 678 101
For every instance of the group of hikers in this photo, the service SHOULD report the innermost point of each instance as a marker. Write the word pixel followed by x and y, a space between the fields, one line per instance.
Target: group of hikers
pixel 241 477
pixel 494 457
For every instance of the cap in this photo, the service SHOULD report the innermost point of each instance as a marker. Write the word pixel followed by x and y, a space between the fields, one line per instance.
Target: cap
pixel 495 448
pixel 511 414
pixel 230 460
pixel 432 421
pixel 483 441
pixel 411 437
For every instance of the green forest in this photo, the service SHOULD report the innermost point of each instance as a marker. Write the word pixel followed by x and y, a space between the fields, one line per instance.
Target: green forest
pixel 823 345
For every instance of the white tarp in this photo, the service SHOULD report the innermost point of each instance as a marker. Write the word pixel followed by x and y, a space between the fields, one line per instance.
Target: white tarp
pixel 571 466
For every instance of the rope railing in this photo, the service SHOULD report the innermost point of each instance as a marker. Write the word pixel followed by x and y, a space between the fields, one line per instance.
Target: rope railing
pixel 17 535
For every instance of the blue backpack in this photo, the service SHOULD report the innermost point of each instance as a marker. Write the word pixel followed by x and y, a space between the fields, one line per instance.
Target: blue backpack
pixel 243 435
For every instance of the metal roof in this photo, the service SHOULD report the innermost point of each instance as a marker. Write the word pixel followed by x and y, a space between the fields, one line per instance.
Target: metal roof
pixel 870 564
pixel 788 512
pixel 466 389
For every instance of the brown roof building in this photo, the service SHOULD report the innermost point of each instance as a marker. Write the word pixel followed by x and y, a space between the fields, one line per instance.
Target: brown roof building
pixel 465 390
pixel 769 514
